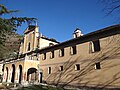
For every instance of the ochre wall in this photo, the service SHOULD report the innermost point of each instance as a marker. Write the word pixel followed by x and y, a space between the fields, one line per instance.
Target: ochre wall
pixel 108 56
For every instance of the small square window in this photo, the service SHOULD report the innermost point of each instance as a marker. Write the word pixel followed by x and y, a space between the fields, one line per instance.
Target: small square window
pixel 97 65
pixel 44 56
pixel 61 68
pixel 49 70
pixel 61 52
pixel 52 54
pixel 51 44
pixel 95 46
pixel 73 50
pixel 77 67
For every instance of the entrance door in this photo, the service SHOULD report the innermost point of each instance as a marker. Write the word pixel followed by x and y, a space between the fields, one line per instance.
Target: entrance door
pixel 41 75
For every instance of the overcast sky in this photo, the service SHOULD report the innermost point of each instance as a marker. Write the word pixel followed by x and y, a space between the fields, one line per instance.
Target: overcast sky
pixel 59 18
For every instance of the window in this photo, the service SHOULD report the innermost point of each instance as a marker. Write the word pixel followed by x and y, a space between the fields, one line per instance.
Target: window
pixel 97 65
pixel 44 56
pixel 61 52
pixel 77 67
pixel 95 46
pixel 35 57
pixel 61 68
pixel 30 57
pixel 51 44
pixel 73 50
pixel 49 70
pixel 29 46
pixel 52 55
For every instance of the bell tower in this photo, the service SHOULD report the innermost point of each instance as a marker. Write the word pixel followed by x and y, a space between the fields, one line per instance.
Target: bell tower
pixel 31 38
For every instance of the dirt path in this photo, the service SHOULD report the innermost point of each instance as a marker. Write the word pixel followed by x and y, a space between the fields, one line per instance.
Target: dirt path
pixel 2 87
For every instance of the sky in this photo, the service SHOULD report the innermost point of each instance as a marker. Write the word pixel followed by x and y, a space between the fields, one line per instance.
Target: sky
pixel 59 18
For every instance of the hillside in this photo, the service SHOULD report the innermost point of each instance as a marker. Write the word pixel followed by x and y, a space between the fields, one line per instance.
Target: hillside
pixel 10 46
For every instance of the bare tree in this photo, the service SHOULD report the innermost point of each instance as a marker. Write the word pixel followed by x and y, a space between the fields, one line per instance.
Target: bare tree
pixel 111 6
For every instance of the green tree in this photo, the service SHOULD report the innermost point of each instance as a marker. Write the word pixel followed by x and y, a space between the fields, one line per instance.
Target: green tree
pixel 10 24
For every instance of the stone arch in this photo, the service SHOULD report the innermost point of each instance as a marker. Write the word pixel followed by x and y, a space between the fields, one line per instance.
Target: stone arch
pixel 20 73
pixel 2 75
pixel 5 75
pixel 13 73
pixel 32 75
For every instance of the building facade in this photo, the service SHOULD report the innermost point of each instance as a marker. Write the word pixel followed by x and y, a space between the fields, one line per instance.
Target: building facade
pixel 86 60
pixel 25 68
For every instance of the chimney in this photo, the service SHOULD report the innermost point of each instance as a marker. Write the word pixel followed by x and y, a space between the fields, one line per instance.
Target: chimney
pixel 77 33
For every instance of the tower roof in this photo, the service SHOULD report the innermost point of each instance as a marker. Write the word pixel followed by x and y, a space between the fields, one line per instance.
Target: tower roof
pixel 29 28
pixel 76 29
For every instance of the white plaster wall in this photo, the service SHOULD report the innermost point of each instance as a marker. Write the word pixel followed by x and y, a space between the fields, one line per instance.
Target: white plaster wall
pixel 45 43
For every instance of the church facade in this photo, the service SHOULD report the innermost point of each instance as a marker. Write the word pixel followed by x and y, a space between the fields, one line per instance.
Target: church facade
pixel 86 60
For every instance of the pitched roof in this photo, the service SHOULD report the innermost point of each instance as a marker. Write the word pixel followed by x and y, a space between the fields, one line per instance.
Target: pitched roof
pixel 111 30
pixel 50 39
pixel 29 28
pixel 108 31
pixel 76 29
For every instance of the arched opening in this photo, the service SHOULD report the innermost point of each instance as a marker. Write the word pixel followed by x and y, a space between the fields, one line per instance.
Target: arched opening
pixel 1 76
pixel 3 67
pixel 13 73
pixel 20 73
pixel 32 75
pixel 7 74
pixel 29 46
